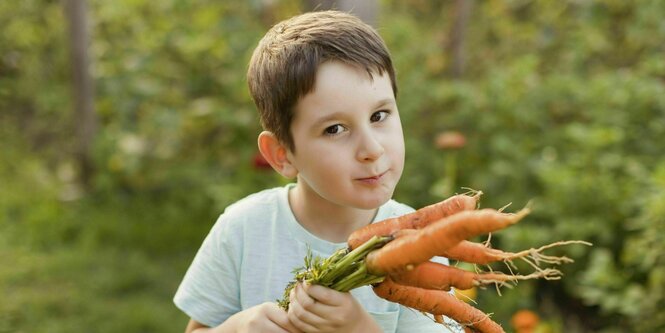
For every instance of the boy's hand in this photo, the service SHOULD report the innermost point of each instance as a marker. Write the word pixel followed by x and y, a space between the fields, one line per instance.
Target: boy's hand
pixel 266 317
pixel 317 309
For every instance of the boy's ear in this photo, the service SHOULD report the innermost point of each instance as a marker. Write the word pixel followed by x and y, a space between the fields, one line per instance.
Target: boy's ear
pixel 276 154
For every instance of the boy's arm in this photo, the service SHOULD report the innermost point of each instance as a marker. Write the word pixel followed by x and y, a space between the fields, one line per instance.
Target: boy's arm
pixel 266 317
pixel 319 309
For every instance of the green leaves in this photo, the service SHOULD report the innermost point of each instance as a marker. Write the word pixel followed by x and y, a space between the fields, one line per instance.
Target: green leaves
pixel 563 104
pixel 344 270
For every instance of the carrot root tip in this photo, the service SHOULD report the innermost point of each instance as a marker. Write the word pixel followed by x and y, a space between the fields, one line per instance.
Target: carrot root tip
pixel 535 257
pixel 522 213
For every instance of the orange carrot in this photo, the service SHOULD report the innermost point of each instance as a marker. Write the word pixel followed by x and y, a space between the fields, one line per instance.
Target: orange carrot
pixel 432 275
pixel 476 253
pixel 470 252
pixel 436 302
pixel 434 239
pixel 415 220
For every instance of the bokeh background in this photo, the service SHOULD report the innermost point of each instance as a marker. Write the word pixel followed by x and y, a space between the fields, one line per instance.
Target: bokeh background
pixel 126 128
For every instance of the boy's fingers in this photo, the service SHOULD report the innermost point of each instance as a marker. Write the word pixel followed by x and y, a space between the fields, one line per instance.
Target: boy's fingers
pixel 322 294
pixel 304 311
pixel 277 316
pixel 306 301
pixel 302 319
pixel 287 326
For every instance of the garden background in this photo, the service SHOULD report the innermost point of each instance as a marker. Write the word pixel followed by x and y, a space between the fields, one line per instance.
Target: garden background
pixel 103 205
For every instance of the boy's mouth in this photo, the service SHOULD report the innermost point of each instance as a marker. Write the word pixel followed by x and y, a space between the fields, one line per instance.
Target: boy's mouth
pixel 372 179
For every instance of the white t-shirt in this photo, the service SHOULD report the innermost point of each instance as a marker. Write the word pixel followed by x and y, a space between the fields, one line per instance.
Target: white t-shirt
pixel 249 256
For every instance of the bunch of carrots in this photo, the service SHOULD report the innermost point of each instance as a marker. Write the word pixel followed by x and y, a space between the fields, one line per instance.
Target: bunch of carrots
pixel 394 255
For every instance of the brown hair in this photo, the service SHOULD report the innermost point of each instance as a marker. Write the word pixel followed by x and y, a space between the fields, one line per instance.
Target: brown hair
pixel 284 64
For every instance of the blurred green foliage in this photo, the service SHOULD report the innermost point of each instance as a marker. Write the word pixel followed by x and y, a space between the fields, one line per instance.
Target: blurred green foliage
pixel 562 104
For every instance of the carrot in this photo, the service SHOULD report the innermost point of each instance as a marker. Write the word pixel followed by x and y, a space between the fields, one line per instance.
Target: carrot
pixel 477 253
pixel 393 256
pixel 432 275
pixel 436 238
pixel 436 302
pixel 415 220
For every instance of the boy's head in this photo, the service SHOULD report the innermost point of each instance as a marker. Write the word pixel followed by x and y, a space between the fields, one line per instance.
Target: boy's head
pixel 284 65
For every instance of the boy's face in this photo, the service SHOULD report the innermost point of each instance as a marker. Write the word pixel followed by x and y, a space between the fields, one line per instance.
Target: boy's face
pixel 348 138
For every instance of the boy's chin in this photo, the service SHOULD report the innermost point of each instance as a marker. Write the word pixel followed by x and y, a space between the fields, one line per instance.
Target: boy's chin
pixel 374 202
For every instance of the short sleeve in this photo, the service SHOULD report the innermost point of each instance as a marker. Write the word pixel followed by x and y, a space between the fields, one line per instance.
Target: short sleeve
pixel 209 292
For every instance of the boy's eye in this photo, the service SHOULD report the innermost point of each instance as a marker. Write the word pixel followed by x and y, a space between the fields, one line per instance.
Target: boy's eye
pixel 378 116
pixel 334 129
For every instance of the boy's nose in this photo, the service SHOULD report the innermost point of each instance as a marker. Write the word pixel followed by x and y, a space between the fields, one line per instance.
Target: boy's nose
pixel 369 148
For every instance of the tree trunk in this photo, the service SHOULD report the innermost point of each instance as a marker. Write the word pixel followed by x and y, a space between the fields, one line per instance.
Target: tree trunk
pixel 85 119
pixel 457 36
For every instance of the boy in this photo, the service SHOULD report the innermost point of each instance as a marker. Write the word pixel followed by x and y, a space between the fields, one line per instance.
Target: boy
pixel 324 85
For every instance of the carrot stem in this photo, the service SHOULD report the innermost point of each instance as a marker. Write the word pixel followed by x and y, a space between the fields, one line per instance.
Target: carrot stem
pixel 343 271
pixel 350 280
pixel 346 264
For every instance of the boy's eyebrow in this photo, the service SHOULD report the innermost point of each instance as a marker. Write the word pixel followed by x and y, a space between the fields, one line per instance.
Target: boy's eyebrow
pixel 385 101
pixel 327 118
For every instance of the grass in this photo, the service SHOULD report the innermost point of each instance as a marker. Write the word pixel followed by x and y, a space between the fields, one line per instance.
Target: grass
pixel 71 290
pixel 103 263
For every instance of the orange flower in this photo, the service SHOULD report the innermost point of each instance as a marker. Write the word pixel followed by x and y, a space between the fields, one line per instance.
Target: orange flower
pixel 525 321
pixel 450 140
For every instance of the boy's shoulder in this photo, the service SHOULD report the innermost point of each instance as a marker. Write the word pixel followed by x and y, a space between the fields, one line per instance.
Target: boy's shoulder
pixel 254 209
pixel 263 197
pixel 258 203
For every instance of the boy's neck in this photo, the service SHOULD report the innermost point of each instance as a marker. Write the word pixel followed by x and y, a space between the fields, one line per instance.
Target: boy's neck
pixel 324 219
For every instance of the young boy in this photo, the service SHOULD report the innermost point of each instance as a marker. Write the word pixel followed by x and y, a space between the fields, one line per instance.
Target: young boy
pixel 324 85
